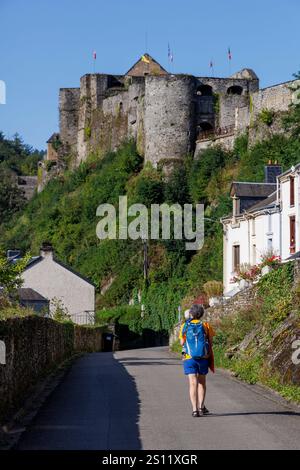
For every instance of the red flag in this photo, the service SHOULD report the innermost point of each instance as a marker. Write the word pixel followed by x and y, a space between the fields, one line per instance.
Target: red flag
pixel 229 54
pixel 94 55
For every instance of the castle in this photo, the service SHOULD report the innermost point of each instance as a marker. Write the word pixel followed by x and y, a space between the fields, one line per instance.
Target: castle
pixel 168 115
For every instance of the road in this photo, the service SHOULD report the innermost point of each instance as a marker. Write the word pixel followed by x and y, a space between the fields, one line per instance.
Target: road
pixel 138 400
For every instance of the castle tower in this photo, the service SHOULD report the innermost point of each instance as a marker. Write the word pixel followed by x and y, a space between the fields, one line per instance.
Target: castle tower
pixel 170 123
pixel 69 99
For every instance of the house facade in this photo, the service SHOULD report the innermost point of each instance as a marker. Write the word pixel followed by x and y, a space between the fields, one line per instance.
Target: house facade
pixel 263 220
pixel 61 286
pixel 288 189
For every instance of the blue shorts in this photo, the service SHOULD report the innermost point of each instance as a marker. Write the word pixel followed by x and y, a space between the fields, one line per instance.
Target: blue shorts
pixel 195 366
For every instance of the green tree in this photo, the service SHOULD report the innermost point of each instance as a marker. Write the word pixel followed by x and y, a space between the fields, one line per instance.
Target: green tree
pixel 291 121
pixel 11 197
pixel 10 273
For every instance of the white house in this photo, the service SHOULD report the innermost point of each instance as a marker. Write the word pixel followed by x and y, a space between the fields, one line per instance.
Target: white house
pixel 288 193
pixel 255 226
pixel 56 281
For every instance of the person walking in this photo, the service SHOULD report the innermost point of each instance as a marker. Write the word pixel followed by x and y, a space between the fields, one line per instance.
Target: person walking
pixel 196 339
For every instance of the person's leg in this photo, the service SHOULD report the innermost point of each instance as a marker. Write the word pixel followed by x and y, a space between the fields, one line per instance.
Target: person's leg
pixel 193 383
pixel 201 392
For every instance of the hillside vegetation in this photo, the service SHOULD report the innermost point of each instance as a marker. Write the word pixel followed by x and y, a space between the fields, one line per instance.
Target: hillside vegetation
pixel 65 214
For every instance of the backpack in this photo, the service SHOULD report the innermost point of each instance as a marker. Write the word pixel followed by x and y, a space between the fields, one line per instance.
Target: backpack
pixel 197 344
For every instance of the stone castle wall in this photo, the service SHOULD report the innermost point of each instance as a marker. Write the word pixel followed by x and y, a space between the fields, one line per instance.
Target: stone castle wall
pixel 277 98
pixel 164 114
pixel 69 100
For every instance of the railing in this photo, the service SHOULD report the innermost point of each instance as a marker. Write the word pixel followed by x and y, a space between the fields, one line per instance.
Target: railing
pixel 217 132
pixel 84 318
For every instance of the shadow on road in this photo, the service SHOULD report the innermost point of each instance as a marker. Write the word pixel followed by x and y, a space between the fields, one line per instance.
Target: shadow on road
pixel 249 413
pixel 96 407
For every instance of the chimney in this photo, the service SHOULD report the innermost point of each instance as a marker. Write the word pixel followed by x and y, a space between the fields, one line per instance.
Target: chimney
pixel 272 170
pixel 46 250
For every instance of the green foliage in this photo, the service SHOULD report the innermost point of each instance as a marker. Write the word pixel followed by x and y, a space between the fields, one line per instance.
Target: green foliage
pixel 291 121
pixel 266 116
pixel 129 315
pixel 207 164
pixel 18 157
pixel 60 313
pixel 276 291
pixel 13 310
pixel 275 300
pixel 11 197
pixel 10 273
pixel 87 132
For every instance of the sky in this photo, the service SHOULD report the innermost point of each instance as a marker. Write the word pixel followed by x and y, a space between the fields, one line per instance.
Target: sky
pixel 48 44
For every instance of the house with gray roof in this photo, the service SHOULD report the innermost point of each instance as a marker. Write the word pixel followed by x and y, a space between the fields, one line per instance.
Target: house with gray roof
pixel 60 285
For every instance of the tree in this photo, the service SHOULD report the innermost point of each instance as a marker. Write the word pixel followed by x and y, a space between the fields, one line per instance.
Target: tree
pixel 10 273
pixel 291 121
pixel 11 197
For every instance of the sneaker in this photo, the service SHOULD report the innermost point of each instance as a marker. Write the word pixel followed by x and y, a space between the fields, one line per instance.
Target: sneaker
pixel 195 414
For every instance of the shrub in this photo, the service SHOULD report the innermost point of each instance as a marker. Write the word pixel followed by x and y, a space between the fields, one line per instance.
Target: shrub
pixel 213 288
pixel 266 116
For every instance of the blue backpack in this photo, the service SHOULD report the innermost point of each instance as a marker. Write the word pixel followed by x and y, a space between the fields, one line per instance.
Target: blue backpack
pixel 196 344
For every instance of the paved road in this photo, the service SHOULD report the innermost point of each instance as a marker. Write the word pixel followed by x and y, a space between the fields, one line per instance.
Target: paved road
pixel 138 400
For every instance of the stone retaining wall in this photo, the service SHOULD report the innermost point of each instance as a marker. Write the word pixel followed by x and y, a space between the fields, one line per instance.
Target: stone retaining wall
pixel 33 347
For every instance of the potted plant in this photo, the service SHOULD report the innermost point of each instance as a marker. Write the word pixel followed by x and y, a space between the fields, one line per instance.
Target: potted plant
pixel 247 274
pixel 269 261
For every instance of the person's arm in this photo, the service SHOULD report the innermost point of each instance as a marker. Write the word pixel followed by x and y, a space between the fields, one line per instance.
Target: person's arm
pixel 182 336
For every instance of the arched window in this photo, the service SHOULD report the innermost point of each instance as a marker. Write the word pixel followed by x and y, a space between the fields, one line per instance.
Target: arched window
pixel 204 90
pixel 235 90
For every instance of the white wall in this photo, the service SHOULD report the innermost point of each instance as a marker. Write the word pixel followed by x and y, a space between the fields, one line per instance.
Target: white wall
pixel 287 212
pixel 51 280
pixel 248 235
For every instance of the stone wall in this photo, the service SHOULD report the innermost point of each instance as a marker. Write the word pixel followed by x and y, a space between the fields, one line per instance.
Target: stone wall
pixel 35 346
pixel 162 113
pixel 69 100
pixel 240 301
pixel 276 98
pixel 225 141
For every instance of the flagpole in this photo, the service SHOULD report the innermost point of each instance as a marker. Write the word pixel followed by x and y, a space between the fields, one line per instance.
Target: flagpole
pixel 229 60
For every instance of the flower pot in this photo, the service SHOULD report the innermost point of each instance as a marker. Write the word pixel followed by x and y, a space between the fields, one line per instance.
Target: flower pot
pixel 243 284
pixel 266 270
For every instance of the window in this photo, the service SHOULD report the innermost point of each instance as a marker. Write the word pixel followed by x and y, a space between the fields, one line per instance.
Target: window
pixel 235 90
pixel 292 234
pixel 236 257
pixel 292 191
pixel 204 90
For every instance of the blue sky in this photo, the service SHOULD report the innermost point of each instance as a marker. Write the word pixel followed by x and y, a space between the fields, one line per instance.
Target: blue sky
pixel 48 44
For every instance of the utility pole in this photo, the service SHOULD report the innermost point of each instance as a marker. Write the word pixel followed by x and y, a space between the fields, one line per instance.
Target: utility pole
pixel 146 260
